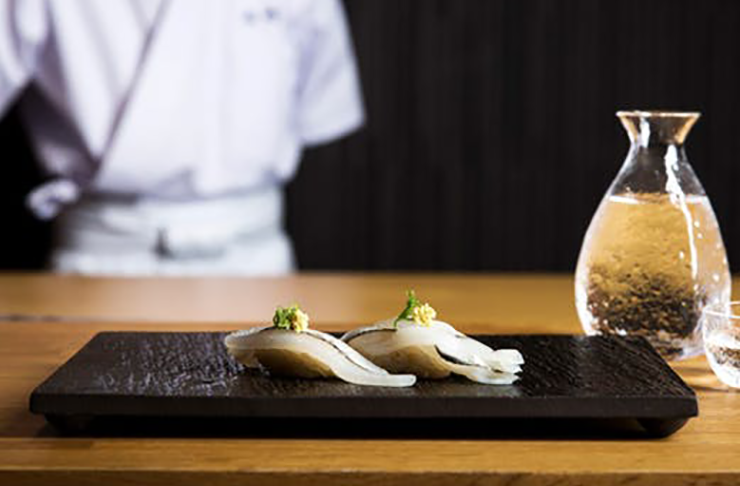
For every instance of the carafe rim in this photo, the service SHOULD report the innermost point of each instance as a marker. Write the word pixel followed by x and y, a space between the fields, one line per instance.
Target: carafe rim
pixel 659 113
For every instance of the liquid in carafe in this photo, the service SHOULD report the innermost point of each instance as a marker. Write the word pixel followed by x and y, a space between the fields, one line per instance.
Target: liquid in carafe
pixel 649 264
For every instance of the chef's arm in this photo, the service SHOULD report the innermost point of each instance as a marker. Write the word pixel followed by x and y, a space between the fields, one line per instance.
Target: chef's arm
pixel 329 98
pixel 23 32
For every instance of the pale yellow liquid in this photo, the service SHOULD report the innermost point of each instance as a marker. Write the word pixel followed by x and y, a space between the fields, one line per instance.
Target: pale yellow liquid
pixel 648 266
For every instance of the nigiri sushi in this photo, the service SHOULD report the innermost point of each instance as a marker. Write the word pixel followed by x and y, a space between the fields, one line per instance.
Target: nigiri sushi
pixel 415 342
pixel 290 348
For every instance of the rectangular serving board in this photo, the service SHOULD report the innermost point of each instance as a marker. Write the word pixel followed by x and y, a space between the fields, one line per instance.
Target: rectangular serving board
pixel 189 375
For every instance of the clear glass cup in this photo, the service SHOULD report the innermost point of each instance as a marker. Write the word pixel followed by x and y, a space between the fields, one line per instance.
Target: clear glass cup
pixel 721 328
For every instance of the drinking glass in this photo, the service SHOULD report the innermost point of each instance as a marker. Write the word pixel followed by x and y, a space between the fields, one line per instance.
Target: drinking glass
pixel 720 323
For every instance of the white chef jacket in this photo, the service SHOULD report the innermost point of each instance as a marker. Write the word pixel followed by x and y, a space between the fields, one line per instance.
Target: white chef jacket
pixel 175 99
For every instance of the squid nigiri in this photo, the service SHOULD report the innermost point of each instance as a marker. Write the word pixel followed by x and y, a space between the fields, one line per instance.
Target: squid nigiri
pixel 290 348
pixel 415 342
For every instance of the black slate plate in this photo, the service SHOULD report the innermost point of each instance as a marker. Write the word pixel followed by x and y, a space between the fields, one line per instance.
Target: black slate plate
pixel 154 378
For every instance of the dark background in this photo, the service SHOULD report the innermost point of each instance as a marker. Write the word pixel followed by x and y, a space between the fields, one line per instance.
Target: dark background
pixel 491 133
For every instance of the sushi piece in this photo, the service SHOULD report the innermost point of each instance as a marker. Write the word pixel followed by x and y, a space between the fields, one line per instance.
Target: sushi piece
pixel 290 348
pixel 415 342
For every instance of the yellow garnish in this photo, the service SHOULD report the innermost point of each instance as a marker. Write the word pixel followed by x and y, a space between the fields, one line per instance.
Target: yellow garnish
pixel 423 314
pixel 300 321
pixel 420 312
pixel 292 318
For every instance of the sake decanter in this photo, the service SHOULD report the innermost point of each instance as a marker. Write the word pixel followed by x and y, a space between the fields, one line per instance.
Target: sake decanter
pixel 653 255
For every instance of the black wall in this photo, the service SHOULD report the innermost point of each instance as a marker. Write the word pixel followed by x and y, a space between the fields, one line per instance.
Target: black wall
pixel 491 133
pixel 24 241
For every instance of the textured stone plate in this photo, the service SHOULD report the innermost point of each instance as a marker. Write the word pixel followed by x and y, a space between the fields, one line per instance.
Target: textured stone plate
pixel 156 376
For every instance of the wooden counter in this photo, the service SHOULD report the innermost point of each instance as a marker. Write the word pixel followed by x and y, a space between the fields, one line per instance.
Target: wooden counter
pixel 48 318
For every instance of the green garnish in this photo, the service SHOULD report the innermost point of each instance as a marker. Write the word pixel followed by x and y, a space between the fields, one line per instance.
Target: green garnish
pixel 290 318
pixel 408 312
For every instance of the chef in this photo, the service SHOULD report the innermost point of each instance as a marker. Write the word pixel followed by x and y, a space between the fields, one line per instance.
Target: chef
pixel 167 128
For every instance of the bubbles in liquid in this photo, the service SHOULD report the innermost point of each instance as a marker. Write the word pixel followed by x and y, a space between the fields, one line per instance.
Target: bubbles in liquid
pixel 644 271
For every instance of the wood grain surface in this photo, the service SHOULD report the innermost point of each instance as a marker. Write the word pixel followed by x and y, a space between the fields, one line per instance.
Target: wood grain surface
pixel 706 451
pixel 506 303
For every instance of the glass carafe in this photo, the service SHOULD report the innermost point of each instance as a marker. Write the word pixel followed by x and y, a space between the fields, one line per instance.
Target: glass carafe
pixel 653 255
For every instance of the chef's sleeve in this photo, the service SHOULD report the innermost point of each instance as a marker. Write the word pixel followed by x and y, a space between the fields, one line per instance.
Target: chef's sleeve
pixel 329 93
pixel 23 30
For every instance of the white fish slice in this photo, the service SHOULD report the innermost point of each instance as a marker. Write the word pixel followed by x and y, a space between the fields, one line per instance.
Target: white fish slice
pixel 434 351
pixel 308 354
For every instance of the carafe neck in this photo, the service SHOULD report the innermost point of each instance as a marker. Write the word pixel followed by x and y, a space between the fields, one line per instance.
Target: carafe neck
pixel 659 155
pixel 657 161
pixel 658 129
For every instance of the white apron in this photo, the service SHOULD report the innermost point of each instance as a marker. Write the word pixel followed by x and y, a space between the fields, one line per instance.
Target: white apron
pixel 232 235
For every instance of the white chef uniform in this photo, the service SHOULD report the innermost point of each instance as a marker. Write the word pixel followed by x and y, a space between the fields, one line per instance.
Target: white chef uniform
pixel 168 127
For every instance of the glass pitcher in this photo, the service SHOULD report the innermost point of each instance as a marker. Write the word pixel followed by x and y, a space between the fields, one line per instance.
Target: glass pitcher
pixel 653 255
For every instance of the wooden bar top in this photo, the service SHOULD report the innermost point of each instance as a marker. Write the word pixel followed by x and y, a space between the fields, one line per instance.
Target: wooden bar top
pixel 334 299
pixel 45 319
